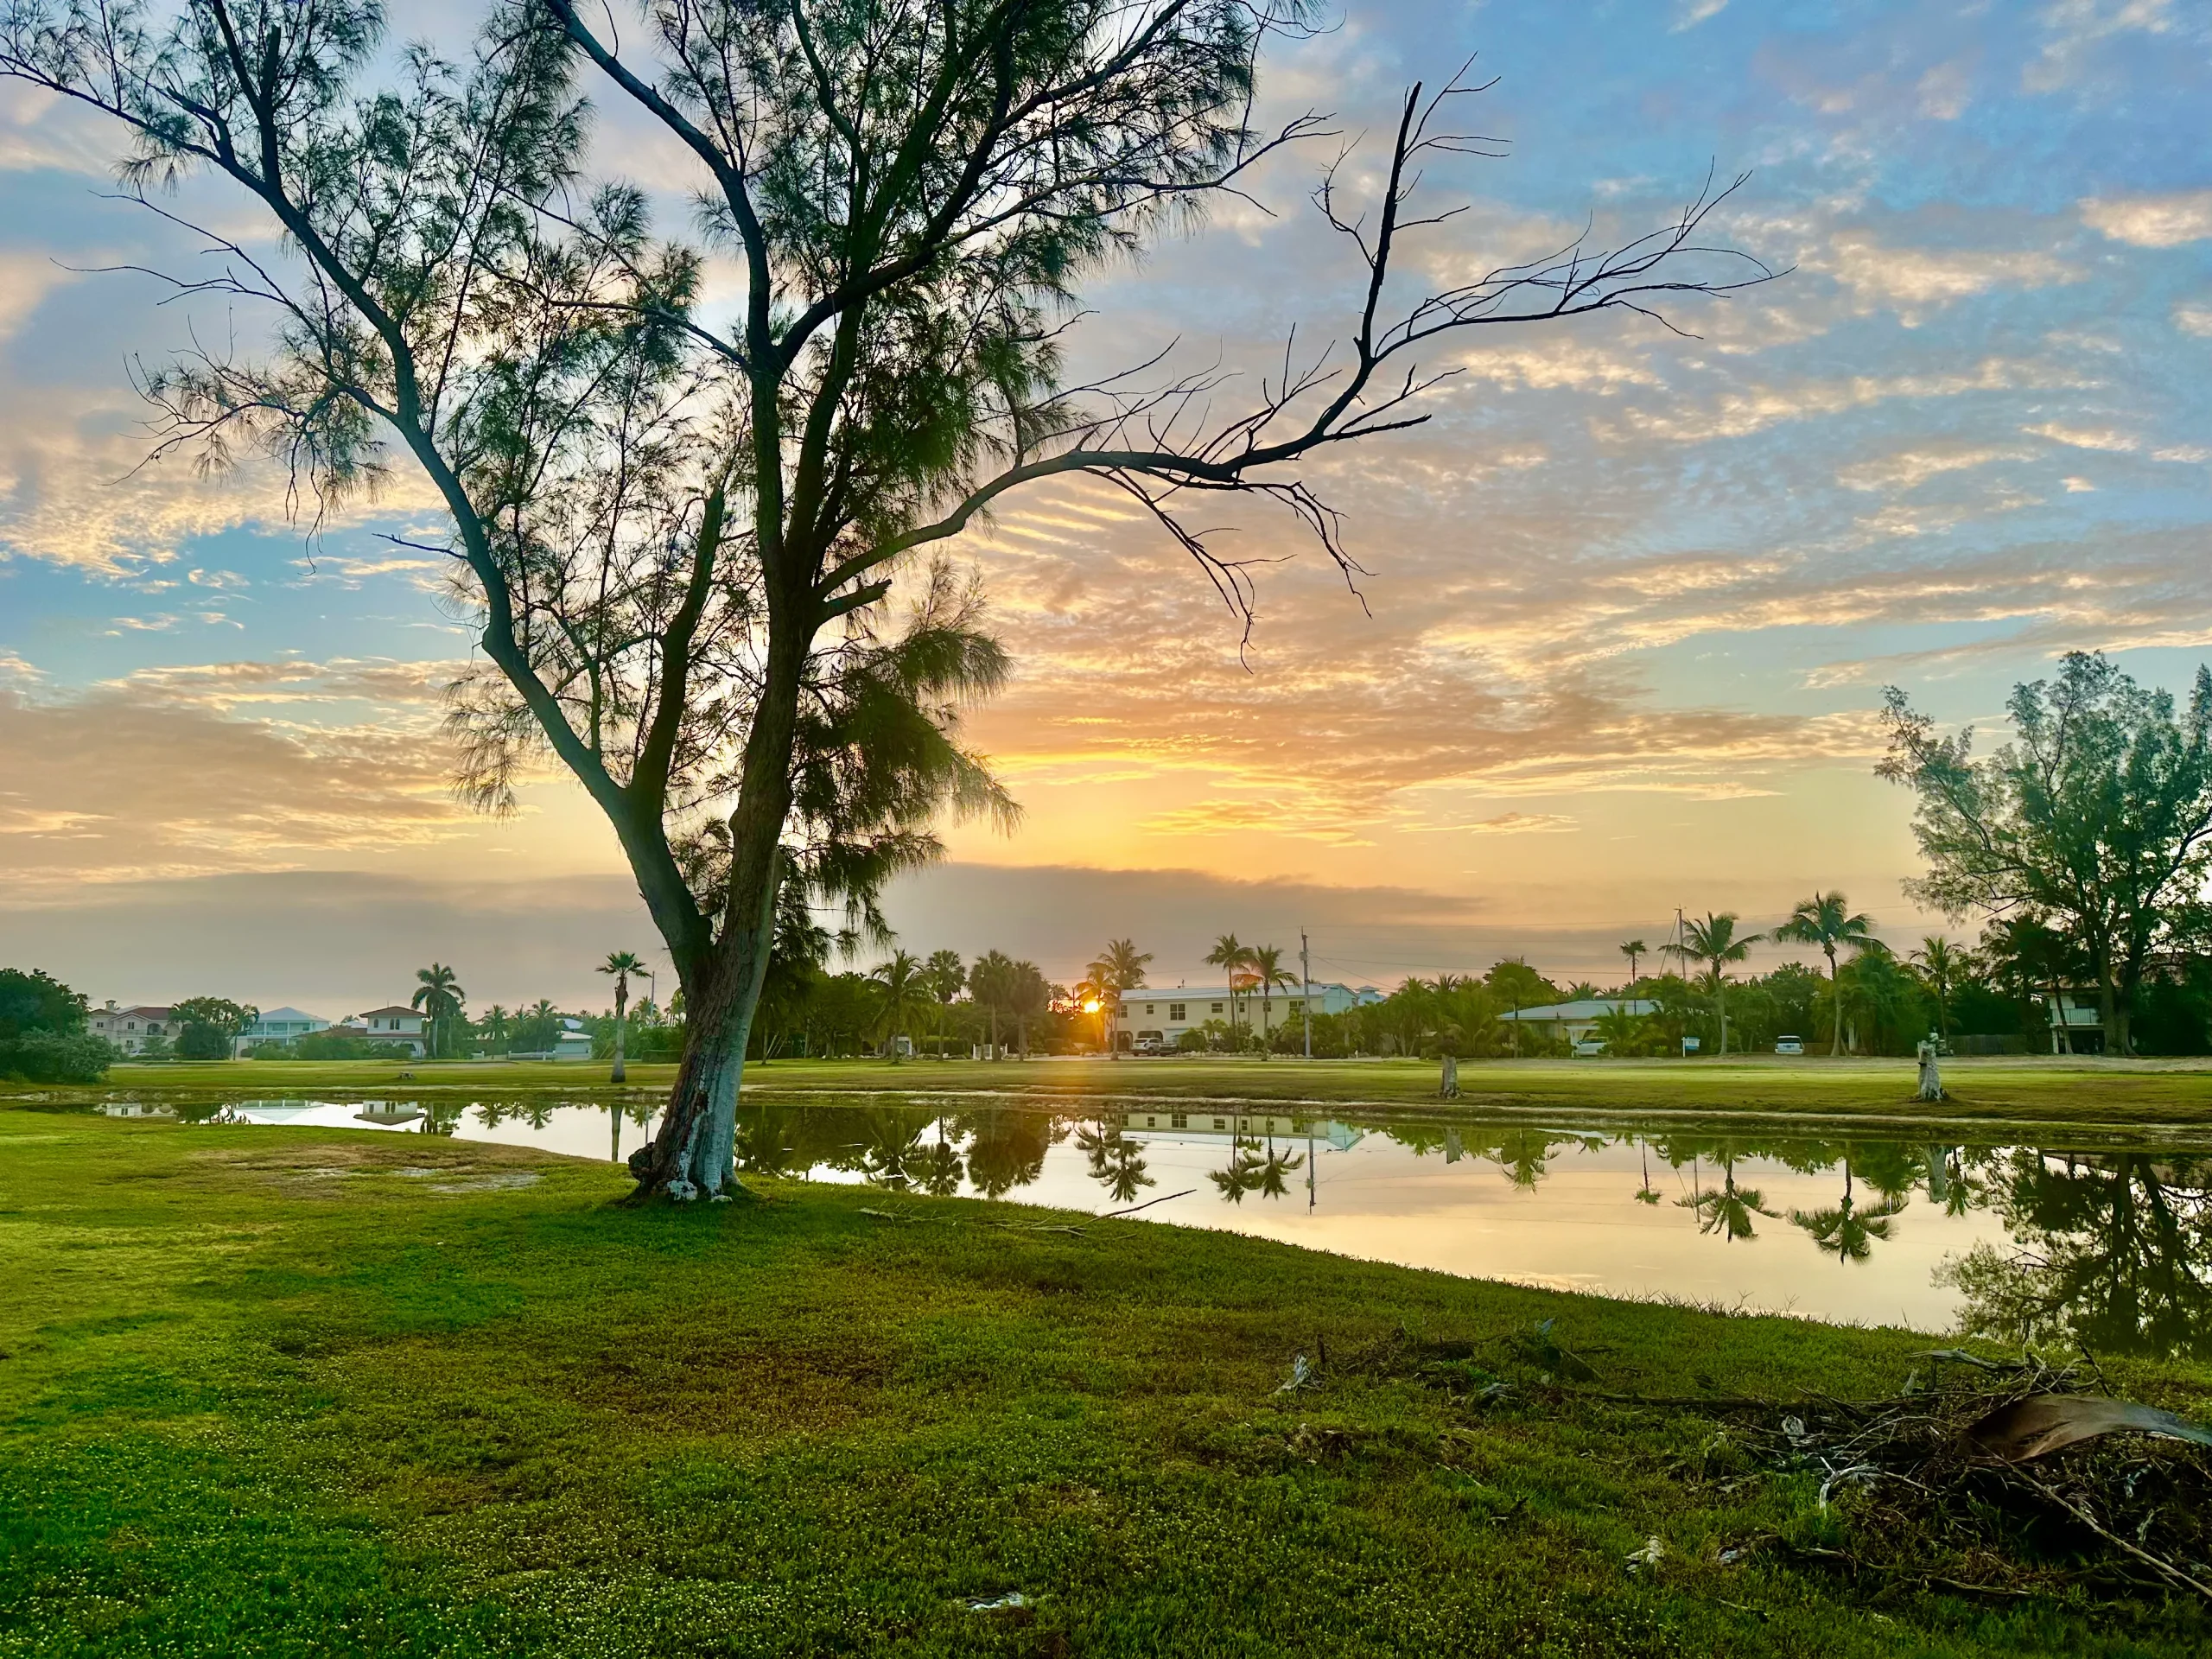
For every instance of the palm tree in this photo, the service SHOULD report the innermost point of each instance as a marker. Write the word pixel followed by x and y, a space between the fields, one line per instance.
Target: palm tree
pixel 1635 950
pixel 440 996
pixel 1229 954
pixel 621 964
pixel 495 1026
pixel 1713 942
pixel 1266 965
pixel 1117 969
pixel 1940 966
pixel 1827 919
pixel 990 982
pixel 1031 997
pixel 905 997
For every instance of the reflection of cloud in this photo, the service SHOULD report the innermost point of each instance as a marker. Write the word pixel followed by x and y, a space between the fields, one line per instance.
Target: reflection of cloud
pixel 2194 320
pixel 2164 221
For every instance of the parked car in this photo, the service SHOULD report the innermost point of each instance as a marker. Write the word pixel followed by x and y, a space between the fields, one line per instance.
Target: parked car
pixel 1790 1045
pixel 1590 1046
pixel 1149 1044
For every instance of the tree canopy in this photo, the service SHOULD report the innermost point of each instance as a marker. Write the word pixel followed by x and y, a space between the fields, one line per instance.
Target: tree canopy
pixel 2097 815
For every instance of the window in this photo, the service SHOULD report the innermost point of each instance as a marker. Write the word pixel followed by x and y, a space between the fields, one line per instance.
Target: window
pixel 1176 1012
pixel 1179 1121
pixel 1149 1009
pixel 1216 1008
pixel 1219 1124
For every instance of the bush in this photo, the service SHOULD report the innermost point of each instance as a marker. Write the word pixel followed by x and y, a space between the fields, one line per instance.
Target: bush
pixel 343 1046
pixel 50 1057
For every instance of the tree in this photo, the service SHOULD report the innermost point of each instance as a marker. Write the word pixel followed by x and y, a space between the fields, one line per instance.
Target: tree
pixel 1827 919
pixel 905 997
pixel 537 1030
pixel 208 1027
pixel 493 1029
pixel 1119 967
pixel 657 514
pixel 991 983
pixel 1233 956
pixel 438 994
pixel 1268 970
pixel 2098 815
pixel 621 964
pixel 1635 950
pixel 1940 965
pixel 1714 943
pixel 35 1000
pixel 947 977
pixel 1033 998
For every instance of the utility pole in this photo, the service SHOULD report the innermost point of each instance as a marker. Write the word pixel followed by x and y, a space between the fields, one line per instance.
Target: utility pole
pixel 1305 973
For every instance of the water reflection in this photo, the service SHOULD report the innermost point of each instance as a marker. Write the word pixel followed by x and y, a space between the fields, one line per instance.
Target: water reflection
pixel 2107 1247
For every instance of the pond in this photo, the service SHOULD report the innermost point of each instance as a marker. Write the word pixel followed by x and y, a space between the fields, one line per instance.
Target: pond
pixel 2108 1244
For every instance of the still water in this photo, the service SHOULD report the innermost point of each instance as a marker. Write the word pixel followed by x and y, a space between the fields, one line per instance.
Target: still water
pixel 2108 1245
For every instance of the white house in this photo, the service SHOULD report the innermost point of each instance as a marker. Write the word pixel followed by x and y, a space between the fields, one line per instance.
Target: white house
pixel 128 1029
pixel 280 1025
pixel 570 1042
pixel 394 1027
pixel 1163 1016
pixel 1575 1020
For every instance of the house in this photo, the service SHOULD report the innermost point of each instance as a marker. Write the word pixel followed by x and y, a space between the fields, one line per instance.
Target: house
pixel 2077 1021
pixel 279 1026
pixel 396 1026
pixel 128 1029
pixel 1147 1014
pixel 1575 1022
pixel 570 1042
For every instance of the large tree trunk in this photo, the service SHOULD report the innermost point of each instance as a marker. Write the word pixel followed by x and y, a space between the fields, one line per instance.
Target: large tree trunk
pixel 1835 986
pixel 620 1076
pixel 692 1155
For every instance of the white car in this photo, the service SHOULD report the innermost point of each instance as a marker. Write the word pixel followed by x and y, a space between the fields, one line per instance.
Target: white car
pixel 1790 1045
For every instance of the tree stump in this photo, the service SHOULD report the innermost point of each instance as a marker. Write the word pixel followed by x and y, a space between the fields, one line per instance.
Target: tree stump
pixel 1448 1087
pixel 1931 1075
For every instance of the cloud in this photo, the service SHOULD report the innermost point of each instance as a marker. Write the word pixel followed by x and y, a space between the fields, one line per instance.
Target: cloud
pixel 2073 31
pixel 1688 14
pixel 2110 438
pixel 1913 281
pixel 128 781
pixel 2161 221
pixel 1523 823
pixel 2194 320
pixel 1907 469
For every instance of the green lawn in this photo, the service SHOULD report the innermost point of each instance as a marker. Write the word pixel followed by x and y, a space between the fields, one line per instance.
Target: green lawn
pixel 2043 1090
pixel 277 1392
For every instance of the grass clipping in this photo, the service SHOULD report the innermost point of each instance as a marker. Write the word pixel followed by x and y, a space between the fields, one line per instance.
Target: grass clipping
pixel 2007 1478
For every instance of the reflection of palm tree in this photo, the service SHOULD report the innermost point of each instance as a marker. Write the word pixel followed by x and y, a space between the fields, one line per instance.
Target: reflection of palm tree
pixel 1272 1174
pixel 1849 1231
pixel 1647 1193
pixel 1242 1175
pixel 938 1170
pixel 1116 1162
pixel 1006 1149
pixel 1729 1209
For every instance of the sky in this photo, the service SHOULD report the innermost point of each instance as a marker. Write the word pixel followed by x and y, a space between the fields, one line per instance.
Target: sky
pixel 1631 595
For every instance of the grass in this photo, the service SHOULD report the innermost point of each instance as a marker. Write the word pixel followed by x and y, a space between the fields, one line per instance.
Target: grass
pixel 2045 1090
pixel 272 1392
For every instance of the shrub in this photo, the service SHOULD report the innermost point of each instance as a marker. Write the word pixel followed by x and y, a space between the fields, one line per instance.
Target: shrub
pixel 50 1057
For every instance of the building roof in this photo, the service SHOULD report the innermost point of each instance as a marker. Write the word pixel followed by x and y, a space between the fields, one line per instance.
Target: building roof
pixel 288 1015
pixel 140 1009
pixel 1590 1007
pixel 1220 993
pixel 374 1014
